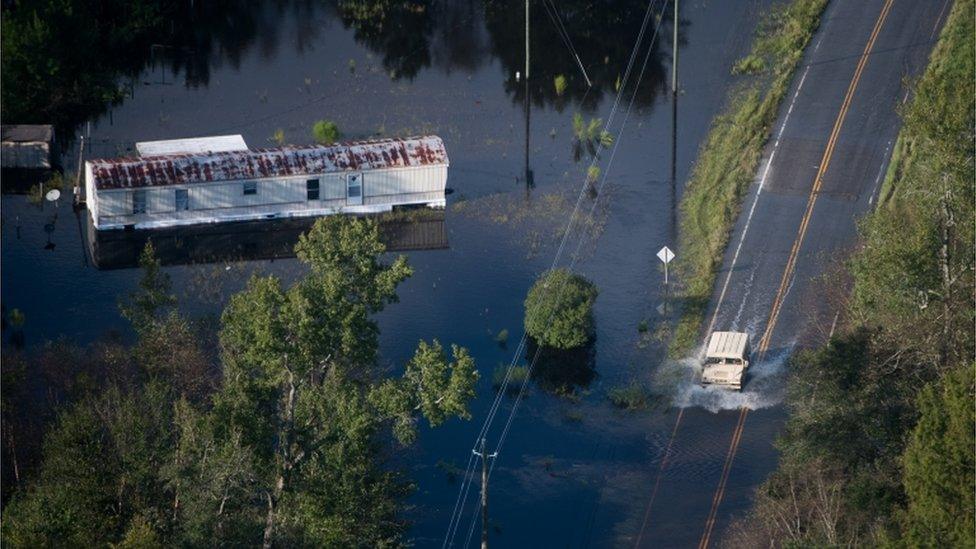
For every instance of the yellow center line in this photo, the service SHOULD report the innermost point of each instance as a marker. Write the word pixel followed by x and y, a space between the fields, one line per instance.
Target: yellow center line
pixel 791 265
pixel 657 482
pixel 818 181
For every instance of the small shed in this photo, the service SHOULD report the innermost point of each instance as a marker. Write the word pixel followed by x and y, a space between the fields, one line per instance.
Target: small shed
pixel 26 146
pixel 186 188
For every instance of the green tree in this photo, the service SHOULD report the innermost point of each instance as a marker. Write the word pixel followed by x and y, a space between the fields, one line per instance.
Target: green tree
pixel 292 451
pixel 559 309
pixel 100 467
pixel 431 384
pixel 153 298
pixel 302 388
pixel 939 465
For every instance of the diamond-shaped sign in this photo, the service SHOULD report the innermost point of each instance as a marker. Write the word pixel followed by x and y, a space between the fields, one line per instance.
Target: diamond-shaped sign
pixel 665 255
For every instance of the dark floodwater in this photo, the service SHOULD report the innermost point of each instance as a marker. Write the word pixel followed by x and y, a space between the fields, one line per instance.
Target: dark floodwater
pixel 573 472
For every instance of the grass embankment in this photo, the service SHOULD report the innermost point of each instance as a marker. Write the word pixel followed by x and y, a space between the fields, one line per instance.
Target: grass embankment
pixel 879 446
pixel 729 157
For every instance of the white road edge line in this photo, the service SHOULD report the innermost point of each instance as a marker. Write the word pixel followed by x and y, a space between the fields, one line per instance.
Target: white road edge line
pixel 752 208
pixel 881 171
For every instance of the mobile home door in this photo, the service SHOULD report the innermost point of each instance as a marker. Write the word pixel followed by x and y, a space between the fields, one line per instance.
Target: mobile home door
pixel 354 189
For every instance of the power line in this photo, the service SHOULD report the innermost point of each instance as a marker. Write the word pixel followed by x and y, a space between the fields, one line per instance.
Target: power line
pixel 568 229
pixel 576 253
pixel 564 34
pixel 463 489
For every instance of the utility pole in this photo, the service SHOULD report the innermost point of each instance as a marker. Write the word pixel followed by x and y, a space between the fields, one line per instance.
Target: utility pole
pixel 529 183
pixel 484 491
pixel 526 40
pixel 674 119
pixel 674 52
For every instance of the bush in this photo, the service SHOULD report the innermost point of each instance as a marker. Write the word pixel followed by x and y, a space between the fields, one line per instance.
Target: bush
pixel 325 132
pixel 632 396
pixel 559 310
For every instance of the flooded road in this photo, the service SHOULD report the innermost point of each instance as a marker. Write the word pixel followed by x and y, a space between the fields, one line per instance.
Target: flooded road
pixel 575 471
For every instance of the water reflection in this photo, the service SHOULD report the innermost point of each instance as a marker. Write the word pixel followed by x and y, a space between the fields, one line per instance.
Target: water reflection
pixel 250 240
pixel 602 36
pixel 563 372
pixel 182 45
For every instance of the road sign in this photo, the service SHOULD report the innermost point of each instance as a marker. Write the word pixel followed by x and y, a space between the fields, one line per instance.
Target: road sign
pixel 665 255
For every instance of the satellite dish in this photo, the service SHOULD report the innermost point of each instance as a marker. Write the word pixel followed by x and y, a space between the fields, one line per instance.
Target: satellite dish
pixel 53 195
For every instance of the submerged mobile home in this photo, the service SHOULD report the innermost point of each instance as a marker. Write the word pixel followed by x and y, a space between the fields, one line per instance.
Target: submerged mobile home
pixel 214 180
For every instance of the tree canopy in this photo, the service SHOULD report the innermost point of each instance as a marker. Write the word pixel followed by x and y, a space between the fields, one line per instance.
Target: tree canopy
pixel 289 448
pixel 559 309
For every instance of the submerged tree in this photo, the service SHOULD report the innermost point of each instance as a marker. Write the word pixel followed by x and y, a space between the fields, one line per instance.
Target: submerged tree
pixel 300 385
pixel 292 450
pixel 559 309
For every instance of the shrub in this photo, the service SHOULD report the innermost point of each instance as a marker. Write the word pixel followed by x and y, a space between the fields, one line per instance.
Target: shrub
pixel 325 132
pixel 632 396
pixel 559 309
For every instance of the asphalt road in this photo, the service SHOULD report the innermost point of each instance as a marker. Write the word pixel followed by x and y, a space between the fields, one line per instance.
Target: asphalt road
pixel 821 172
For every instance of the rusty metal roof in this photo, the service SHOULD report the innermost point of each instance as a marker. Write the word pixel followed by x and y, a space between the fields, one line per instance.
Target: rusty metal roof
pixel 182 169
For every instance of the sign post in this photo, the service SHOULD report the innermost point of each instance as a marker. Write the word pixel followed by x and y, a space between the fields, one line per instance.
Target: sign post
pixel 665 255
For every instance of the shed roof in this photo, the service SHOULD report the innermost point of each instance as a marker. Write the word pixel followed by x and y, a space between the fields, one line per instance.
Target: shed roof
pixel 192 145
pixel 727 345
pixel 26 133
pixel 182 169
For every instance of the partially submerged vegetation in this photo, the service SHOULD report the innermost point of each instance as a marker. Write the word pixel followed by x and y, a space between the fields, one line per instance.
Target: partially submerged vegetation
pixel 589 136
pixel 879 448
pixel 632 395
pixel 729 157
pixel 282 440
pixel 516 378
pixel 325 132
pixel 559 310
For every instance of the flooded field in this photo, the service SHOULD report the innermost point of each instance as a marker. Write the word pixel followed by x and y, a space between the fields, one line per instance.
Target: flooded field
pixel 575 471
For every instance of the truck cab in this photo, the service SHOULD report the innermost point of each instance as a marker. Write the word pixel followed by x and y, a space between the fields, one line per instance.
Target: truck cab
pixel 726 360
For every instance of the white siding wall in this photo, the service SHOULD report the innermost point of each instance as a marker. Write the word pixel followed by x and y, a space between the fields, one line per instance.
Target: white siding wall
pixel 379 187
pixel 231 195
pixel 112 203
pixel 91 197
pixel 414 180
pixel 161 200
pixel 332 186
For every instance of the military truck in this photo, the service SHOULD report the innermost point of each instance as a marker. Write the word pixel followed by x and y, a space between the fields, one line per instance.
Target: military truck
pixel 726 360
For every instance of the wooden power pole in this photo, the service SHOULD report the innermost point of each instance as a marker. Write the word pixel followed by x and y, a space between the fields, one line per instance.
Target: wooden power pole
pixel 674 120
pixel 484 491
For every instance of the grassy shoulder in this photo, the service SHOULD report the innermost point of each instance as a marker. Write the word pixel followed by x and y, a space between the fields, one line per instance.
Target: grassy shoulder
pixel 730 155
pixel 879 446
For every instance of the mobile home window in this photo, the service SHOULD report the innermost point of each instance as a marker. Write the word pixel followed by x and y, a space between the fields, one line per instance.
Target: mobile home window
pixel 312 189
pixel 182 200
pixel 250 187
pixel 139 202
